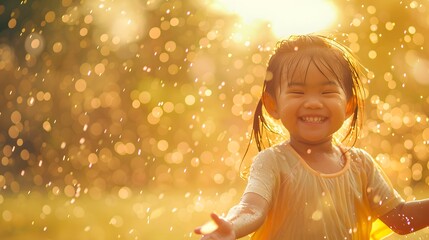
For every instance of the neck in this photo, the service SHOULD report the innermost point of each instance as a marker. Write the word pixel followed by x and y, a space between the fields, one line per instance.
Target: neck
pixel 308 148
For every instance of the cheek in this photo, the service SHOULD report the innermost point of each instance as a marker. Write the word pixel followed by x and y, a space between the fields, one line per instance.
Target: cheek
pixel 341 102
pixel 289 106
pixel 339 106
pixel 342 106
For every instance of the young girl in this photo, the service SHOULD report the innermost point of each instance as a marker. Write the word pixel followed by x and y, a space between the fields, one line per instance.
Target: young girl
pixel 313 186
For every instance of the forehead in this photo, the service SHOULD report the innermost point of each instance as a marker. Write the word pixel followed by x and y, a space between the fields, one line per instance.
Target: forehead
pixel 326 63
pixel 314 77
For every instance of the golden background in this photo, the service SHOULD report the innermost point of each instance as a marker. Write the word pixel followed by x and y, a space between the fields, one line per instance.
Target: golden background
pixel 129 119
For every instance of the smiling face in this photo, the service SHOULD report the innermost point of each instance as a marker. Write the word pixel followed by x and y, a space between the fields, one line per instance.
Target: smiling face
pixel 310 63
pixel 312 105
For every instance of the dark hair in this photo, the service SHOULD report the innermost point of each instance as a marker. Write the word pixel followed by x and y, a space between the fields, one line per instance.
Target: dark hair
pixel 325 53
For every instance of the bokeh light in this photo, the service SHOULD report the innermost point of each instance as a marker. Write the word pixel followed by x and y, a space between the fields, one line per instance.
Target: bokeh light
pixel 281 16
pixel 129 119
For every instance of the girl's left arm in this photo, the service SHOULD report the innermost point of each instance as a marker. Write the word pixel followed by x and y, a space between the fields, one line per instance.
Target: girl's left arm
pixel 408 217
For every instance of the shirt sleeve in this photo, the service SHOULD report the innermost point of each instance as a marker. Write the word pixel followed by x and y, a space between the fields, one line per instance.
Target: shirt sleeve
pixel 381 195
pixel 262 177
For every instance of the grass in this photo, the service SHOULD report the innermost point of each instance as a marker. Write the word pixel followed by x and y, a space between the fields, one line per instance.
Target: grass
pixel 148 215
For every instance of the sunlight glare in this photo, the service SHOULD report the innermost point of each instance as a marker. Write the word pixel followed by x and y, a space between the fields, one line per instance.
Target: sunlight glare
pixel 124 22
pixel 286 17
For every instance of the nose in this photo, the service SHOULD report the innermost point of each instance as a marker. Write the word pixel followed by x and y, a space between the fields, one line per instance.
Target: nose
pixel 313 102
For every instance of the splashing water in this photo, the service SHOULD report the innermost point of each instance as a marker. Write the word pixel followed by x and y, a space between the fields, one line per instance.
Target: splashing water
pixel 128 119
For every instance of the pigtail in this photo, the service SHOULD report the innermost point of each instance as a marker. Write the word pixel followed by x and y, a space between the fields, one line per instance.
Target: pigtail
pixel 264 128
pixel 265 132
pixel 258 122
pixel 256 133
pixel 357 72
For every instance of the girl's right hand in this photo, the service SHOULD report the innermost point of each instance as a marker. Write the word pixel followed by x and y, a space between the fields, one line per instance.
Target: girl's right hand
pixel 224 231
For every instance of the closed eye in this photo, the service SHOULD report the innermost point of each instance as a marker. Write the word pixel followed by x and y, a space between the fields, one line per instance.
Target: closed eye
pixel 330 92
pixel 295 93
pixel 295 90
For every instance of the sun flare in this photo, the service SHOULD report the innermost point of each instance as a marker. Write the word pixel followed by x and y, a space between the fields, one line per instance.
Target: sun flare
pixel 285 17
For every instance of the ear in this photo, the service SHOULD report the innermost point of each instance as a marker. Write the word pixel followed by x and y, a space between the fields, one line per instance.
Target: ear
pixel 350 107
pixel 270 105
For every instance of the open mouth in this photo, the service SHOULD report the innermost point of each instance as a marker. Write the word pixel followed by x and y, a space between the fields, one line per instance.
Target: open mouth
pixel 313 119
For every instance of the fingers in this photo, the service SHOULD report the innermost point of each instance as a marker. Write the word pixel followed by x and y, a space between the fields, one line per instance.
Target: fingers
pixel 215 218
pixel 220 221
pixel 209 226
pixel 216 224
pixel 197 230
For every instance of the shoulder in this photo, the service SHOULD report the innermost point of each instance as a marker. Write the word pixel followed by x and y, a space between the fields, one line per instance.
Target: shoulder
pixel 361 157
pixel 266 156
pixel 359 153
pixel 280 157
pixel 273 153
pixel 272 156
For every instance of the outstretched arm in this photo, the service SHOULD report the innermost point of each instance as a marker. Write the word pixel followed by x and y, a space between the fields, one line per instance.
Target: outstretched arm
pixel 408 217
pixel 242 219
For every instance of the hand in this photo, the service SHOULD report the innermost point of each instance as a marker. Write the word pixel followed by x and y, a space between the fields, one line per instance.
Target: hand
pixel 224 230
